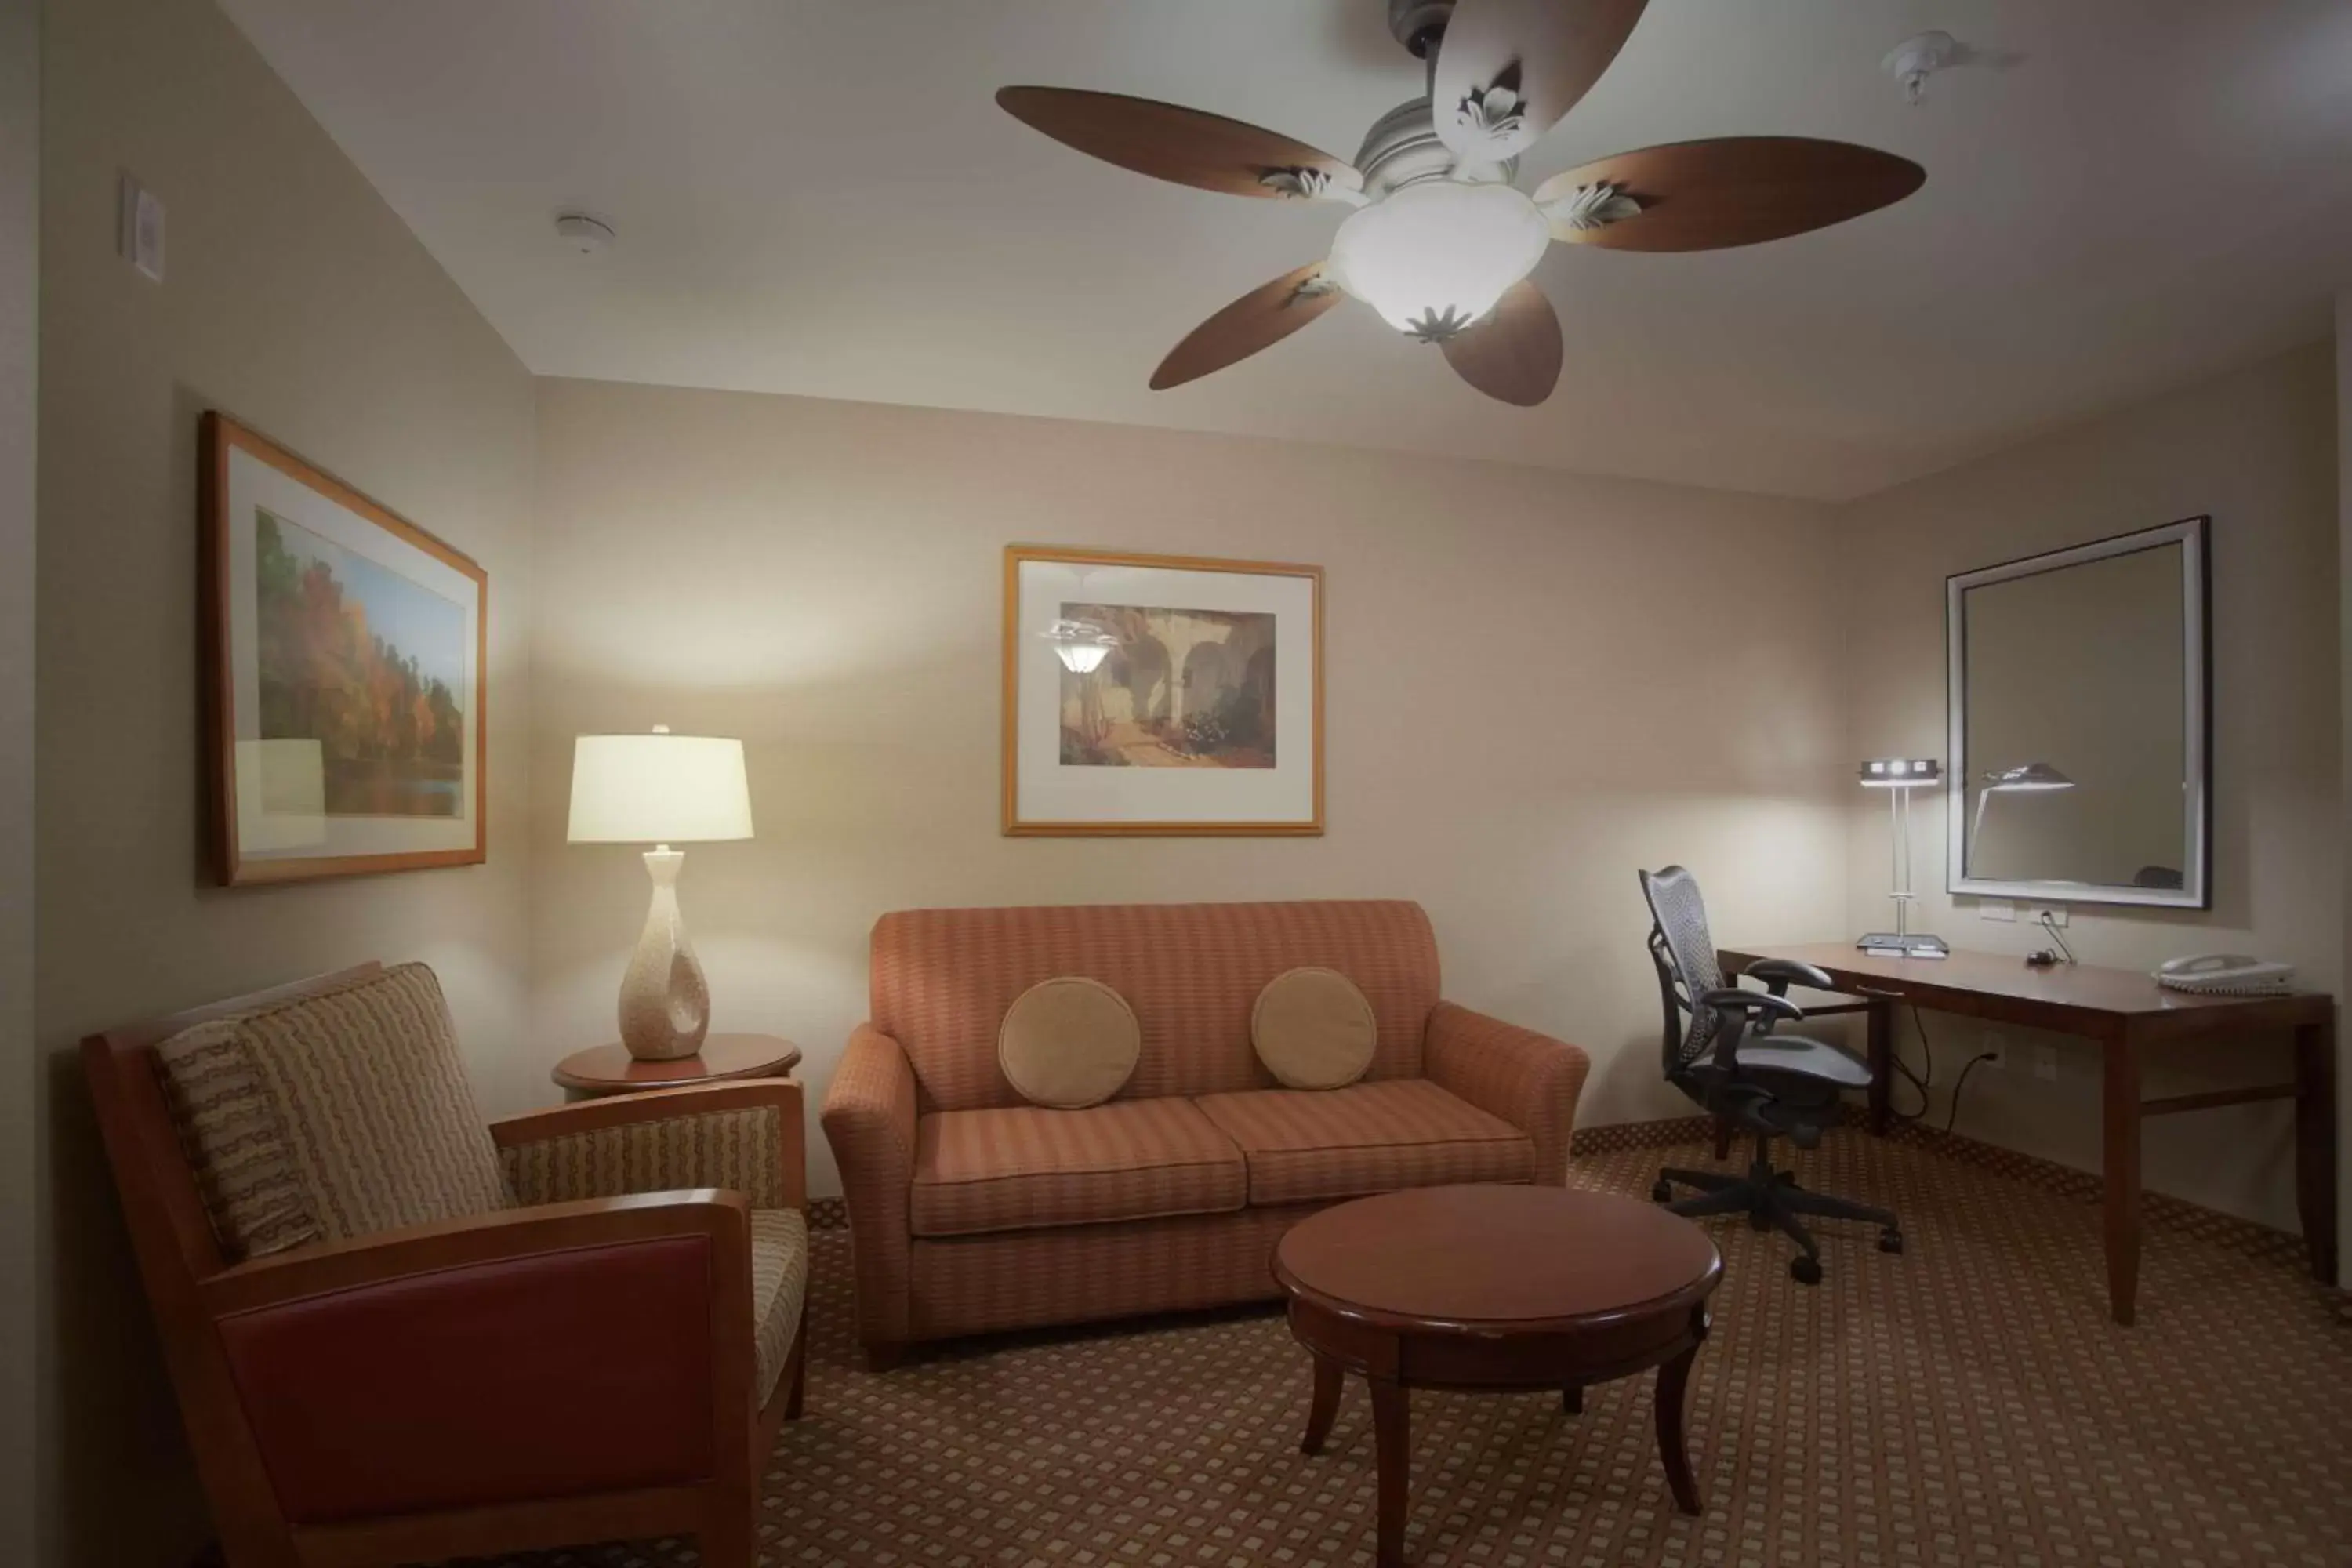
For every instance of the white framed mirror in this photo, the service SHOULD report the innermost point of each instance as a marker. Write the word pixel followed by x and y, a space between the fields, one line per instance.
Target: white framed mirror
pixel 2081 739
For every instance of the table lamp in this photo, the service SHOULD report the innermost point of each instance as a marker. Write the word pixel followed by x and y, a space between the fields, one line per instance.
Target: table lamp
pixel 660 789
pixel 1898 776
pixel 2025 778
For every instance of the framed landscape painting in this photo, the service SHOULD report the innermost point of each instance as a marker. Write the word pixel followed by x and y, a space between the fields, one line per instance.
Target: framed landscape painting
pixel 344 651
pixel 1161 694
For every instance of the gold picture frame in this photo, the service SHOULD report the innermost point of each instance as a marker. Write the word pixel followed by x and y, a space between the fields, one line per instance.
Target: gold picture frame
pixel 1201 684
pixel 345 669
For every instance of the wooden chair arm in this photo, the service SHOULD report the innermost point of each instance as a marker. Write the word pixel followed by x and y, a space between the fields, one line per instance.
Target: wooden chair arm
pixel 604 1346
pixel 507 1234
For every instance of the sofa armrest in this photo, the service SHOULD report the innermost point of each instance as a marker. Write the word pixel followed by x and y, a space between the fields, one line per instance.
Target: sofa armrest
pixel 748 1136
pixel 577 1348
pixel 869 1120
pixel 1529 1079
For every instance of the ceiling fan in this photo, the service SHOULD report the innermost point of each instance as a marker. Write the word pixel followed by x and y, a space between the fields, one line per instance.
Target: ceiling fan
pixel 1439 242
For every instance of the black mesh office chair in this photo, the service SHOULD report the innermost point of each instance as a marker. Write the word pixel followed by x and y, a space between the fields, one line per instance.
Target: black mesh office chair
pixel 1723 1048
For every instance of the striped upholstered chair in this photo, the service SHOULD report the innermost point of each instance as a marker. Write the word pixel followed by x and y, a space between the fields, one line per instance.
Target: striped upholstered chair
pixel 399 1335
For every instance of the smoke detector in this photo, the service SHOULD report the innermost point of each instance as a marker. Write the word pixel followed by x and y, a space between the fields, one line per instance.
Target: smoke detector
pixel 586 234
pixel 1914 61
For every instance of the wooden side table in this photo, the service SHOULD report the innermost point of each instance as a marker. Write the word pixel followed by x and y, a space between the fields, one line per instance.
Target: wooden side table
pixel 611 1069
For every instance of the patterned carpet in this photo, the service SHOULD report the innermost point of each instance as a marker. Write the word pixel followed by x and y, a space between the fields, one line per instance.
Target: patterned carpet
pixel 1966 1403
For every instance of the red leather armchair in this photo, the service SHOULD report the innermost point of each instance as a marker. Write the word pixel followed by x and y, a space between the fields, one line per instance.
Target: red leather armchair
pixel 553 1373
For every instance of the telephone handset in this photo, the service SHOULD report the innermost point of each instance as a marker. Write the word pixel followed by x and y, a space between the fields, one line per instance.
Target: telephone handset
pixel 2225 974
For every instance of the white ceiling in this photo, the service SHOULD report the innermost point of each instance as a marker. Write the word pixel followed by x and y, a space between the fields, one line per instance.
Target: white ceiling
pixel 820 196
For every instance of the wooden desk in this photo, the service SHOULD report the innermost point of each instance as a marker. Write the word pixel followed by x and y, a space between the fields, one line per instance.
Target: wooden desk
pixel 2123 1010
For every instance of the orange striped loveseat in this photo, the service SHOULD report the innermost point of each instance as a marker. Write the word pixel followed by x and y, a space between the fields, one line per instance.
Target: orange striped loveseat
pixel 971 1211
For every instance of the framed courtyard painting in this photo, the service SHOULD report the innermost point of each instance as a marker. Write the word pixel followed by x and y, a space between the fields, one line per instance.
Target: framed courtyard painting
pixel 345 684
pixel 1161 694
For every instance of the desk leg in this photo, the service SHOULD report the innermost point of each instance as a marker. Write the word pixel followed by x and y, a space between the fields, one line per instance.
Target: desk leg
pixel 1881 1066
pixel 2315 1144
pixel 2121 1172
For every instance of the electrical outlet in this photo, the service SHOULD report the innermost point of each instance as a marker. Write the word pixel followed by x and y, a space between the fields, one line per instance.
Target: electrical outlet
pixel 1996 909
pixel 2045 1063
pixel 1992 1048
pixel 2055 913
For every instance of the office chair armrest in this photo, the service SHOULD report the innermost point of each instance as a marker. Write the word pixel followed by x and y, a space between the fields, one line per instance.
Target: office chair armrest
pixel 1779 973
pixel 1772 1007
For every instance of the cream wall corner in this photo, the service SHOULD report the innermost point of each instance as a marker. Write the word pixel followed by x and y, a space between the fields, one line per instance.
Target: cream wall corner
pixel 1537 684
pixel 2257 451
pixel 297 301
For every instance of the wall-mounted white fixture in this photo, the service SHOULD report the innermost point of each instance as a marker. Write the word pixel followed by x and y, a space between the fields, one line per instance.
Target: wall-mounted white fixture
pixel 1915 59
pixel 586 234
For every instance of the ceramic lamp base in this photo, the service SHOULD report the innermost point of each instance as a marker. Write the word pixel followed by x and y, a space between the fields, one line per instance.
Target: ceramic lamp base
pixel 664 1000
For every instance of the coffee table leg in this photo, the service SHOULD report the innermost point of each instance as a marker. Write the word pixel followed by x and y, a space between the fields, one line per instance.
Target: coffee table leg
pixel 1326 1407
pixel 1571 1399
pixel 1391 1424
pixel 1674 1385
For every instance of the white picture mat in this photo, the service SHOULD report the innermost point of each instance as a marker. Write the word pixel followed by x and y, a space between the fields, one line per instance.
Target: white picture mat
pixel 255 484
pixel 1048 792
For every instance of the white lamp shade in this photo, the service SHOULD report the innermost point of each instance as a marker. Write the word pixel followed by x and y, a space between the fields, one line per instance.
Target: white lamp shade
pixel 659 789
pixel 1439 251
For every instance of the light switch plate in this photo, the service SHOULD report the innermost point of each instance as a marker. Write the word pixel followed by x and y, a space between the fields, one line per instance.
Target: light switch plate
pixel 1996 909
pixel 141 238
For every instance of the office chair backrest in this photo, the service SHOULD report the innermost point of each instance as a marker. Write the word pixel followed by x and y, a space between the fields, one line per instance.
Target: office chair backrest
pixel 1684 954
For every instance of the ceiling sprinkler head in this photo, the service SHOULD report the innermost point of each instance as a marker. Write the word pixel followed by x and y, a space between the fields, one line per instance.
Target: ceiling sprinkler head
pixel 1914 61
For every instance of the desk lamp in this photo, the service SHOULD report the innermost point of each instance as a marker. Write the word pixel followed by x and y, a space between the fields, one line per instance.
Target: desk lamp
pixel 1898 776
pixel 660 789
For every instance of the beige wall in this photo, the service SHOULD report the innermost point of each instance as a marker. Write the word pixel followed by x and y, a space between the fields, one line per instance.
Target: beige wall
pixel 1537 684
pixel 2257 451
pixel 20 116
pixel 296 300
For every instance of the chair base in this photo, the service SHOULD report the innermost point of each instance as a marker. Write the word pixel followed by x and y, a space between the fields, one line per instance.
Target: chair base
pixel 1772 1201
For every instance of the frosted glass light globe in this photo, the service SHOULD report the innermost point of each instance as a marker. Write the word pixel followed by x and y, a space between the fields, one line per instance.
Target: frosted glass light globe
pixel 1435 257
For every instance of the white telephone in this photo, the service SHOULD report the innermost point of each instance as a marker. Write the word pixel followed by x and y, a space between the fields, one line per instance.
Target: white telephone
pixel 2226 975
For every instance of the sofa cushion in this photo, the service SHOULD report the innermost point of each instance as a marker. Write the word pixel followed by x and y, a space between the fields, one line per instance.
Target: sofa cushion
pixel 338 1114
pixel 1024 1168
pixel 1067 1043
pixel 1309 1144
pixel 1313 1029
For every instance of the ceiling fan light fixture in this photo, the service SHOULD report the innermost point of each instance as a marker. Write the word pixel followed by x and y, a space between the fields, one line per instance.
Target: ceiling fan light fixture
pixel 1436 256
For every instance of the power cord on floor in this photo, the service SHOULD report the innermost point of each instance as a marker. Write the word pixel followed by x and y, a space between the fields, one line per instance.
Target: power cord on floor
pixel 1927 1049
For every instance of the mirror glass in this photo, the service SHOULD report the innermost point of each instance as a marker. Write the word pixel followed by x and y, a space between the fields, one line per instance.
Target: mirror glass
pixel 2078 724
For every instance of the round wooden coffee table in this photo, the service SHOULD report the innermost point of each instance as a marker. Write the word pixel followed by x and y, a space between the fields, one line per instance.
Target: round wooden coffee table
pixel 1500 1289
pixel 611 1069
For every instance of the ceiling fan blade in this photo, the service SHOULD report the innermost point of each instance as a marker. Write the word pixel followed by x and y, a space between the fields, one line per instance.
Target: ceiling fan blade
pixel 1259 319
pixel 1514 353
pixel 1507 69
pixel 1188 146
pixel 1713 195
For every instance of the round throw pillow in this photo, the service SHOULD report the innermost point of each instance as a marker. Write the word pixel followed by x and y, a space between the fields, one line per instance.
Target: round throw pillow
pixel 1069 1043
pixel 1314 1029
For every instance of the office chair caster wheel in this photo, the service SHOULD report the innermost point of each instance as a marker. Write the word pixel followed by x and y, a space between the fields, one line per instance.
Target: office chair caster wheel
pixel 1890 1240
pixel 1662 1193
pixel 1806 1270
